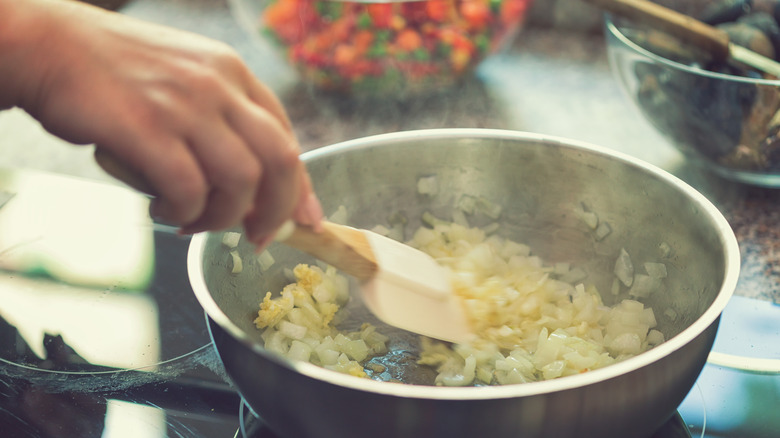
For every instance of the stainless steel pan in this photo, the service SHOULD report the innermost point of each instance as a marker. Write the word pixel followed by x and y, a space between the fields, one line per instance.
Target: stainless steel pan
pixel 539 181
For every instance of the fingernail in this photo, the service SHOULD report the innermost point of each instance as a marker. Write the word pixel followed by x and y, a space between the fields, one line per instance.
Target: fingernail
pixel 157 213
pixel 311 213
pixel 186 231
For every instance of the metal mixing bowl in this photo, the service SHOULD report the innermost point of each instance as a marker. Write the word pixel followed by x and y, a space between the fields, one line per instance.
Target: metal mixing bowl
pixel 541 182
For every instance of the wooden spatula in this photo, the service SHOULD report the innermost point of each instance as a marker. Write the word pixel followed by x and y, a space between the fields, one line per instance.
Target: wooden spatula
pixel 712 40
pixel 402 286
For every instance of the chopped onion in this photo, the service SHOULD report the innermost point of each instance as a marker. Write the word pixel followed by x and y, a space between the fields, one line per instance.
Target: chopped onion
pixel 285 231
pixel 489 208
pixel 590 218
pixel 615 287
pixel 299 351
pixel 656 270
pixel 626 343
pixel 602 231
pixel 238 264
pixel 300 323
pixel 624 269
pixel 266 260
pixel 530 325
pixel 664 250
pixel 467 204
pixel 428 185
pixel 292 330
pixel 654 337
pixel 231 239
pixel 644 285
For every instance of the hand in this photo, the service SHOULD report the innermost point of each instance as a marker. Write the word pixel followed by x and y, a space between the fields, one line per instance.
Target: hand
pixel 182 111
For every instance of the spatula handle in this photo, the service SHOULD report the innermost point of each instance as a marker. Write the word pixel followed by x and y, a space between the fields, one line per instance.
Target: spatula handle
pixel 343 247
pixel 708 38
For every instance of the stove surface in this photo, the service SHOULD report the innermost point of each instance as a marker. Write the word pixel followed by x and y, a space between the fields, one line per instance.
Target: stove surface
pixel 101 335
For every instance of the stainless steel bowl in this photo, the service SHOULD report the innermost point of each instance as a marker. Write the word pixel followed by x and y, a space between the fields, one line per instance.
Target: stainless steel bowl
pixel 540 181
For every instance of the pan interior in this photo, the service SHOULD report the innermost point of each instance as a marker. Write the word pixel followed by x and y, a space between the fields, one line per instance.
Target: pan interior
pixel 540 184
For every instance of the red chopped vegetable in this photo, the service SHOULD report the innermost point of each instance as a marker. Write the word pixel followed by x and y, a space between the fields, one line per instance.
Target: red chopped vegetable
pixel 439 10
pixel 409 40
pixel 381 14
pixel 476 12
pixel 383 48
pixel 512 11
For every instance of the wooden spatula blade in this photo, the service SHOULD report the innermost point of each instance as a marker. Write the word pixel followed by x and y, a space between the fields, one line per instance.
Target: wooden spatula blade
pixel 413 292
pixel 401 285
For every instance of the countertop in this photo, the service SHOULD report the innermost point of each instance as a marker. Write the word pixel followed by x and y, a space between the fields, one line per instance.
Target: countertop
pixel 549 81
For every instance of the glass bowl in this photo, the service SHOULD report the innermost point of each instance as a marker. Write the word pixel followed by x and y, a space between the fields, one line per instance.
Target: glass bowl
pixel 724 121
pixel 383 49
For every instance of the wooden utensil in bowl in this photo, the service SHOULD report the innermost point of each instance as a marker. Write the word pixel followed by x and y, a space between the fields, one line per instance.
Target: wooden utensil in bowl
pixel 712 40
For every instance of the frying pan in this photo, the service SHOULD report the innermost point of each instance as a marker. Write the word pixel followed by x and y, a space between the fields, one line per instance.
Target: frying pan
pixel 540 182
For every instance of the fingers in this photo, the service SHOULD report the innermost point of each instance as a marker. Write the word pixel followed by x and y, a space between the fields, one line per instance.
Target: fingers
pixel 263 97
pixel 114 167
pixel 241 168
pixel 233 172
pixel 278 191
pixel 308 210
pixel 167 171
pixel 199 187
pixel 255 174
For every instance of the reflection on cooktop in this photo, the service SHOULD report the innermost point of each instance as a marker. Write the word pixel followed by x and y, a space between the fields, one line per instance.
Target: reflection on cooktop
pixel 177 408
pixel 88 282
pixel 101 335
pixel 159 324
pixel 172 387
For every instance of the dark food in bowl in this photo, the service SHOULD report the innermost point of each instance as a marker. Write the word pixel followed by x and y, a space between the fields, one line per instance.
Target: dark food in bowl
pixel 379 48
pixel 726 115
